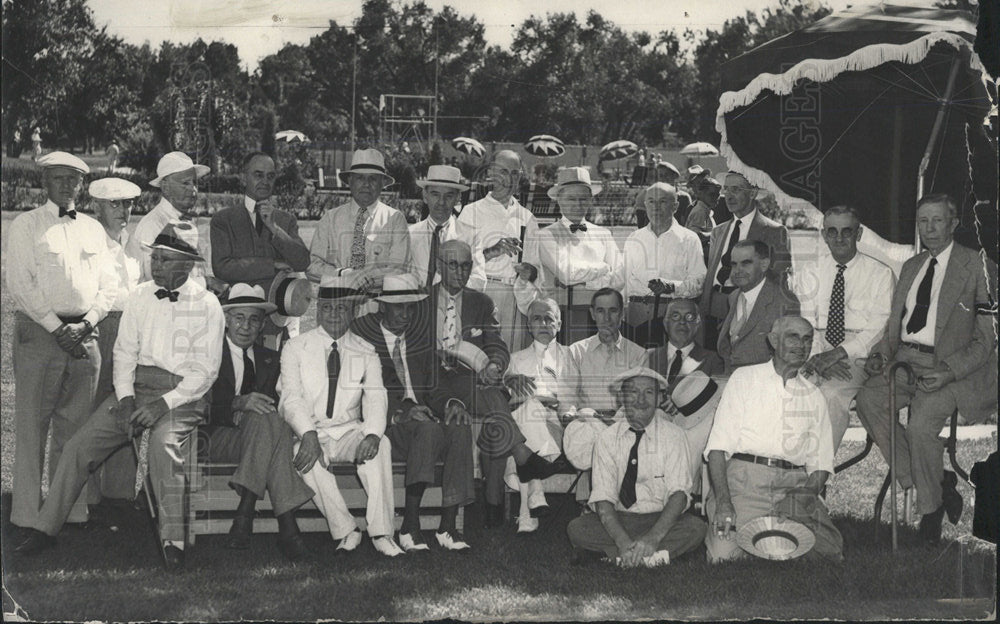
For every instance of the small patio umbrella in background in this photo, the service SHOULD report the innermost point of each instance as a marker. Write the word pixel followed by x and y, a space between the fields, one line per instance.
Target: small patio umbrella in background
pixel 469 146
pixel 290 136
pixel 545 145
pixel 700 149
pixel 618 149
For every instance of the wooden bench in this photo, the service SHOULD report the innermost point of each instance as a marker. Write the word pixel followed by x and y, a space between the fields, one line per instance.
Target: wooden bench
pixel 572 481
pixel 211 503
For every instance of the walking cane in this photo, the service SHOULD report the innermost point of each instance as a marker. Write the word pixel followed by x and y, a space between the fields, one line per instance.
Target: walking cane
pixel 147 482
pixel 893 416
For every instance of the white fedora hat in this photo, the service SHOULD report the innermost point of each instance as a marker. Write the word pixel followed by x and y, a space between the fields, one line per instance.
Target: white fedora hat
pixel 113 189
pixel 338 287
pixel 176 162
pixel 443 175
pixel 402 288
pixel 367 161
pixel 247 296
pixel 574 176
pixel 63 159
pixel 776 538
pixel 177 236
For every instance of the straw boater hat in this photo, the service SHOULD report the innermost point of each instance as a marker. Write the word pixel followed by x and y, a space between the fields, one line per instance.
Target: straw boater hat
pixel 62 159
pixel 403 288
pixel 579 438
pixel 113 189
pixel 776 538
pixel 574 176
pixel 443 175
pixel 695 395
pixel 367 161
pixel 177 236
pixel 247 296
pixel 176 162
pixel 290 295
pixel 337 287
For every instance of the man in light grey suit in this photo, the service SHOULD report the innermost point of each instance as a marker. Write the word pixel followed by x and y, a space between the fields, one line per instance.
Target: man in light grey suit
pixel 941 323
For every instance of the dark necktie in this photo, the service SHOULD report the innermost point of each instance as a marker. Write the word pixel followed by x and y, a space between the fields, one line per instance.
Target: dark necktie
pixel 626 495
pixel 163 293
pixel 249 374
pixel 397 363
pixel 675 366
pixel 258 221
pixel 919 317
pixel 432 261
pixel 186 217
pixel 835 317
pixel 332 373
pixel 63 212
pixel 726 263
pixel 577 227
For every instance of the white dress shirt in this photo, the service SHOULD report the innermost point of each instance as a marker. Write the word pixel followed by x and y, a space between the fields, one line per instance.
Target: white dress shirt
pixel 236 355
pixel 150 226
pixel 421 234
pixel 868 286
pixel 490 221
pixel 688 363
pixel 387 241
pixel 599 364
pixel 664 465
pixel 59 267
pixel 127 268
pixel 554 369
pixel 745 222
pixel 390 342
pixel 590 258
pixel 926 335
pixel 762 415
pixel 182 337
pixel 675 257
pixel 251 205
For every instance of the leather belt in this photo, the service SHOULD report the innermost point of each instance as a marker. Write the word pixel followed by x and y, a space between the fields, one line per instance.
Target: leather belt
pixel 725 290
pixel 919 347
pixel 509 281
pixel 646 299
pixel 70 320
pixel 766 461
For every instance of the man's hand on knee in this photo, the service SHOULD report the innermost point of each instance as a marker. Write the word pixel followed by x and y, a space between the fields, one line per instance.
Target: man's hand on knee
pixel 938 378
pixel 724 522
pixel 455 412
pixel 309 453
pixel 150 413
pixel 367 449
pixel 256 402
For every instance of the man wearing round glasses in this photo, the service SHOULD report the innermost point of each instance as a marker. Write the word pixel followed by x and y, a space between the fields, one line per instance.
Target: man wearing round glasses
pixel 681 355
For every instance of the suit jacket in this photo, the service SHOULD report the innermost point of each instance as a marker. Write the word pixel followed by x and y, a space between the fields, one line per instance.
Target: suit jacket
pixel 700 358
pixel 963 334
pixel 750 345
pixel 239 254
pixel 761 229
pixel 480 324
pixel 419 362
pixel 361 397
pixel 267 368
pixel 420 247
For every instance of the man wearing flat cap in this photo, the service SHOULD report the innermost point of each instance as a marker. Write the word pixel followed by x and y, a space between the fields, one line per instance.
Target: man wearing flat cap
pixel 364 239
pixel 112 200
pixel 167 356
pixel 244 426
pixel 640 482
pixel 441 190
pixel 333 397
pixel 61 279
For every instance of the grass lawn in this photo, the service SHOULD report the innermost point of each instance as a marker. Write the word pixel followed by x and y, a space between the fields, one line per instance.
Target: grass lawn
pixel 109 569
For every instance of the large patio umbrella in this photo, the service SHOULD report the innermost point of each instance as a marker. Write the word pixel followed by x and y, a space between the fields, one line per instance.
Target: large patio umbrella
pixel 545 145
pixel 469 146
pixel 700 148
pixel 874 107
pixel 290 136
pixel 618 149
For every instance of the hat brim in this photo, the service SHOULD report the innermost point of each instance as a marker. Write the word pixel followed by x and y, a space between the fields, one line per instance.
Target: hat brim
pixel 268 308
pixel 595 188
pixel 401 298
pixel 345 175
pixel 774 538
pixel 177 251
pixel 451 185
pixel 199 172
pixel 616 385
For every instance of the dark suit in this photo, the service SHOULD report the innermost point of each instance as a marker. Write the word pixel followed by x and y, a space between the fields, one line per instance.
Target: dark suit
pixel 260 443
pixel 964 341
pixel 239 254
pixel 711 364
pixel 421 444
pixel 750 344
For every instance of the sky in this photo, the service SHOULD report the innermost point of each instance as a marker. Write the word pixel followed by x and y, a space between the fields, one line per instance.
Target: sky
pixel 262 27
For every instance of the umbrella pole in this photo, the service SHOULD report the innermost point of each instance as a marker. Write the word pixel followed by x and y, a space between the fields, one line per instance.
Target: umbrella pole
pixel 925 162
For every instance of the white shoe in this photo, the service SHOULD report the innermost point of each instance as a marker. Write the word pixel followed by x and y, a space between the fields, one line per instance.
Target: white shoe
pixel 408 544
pixel 527 524
pixel 536 497
pixel 350 542
pixel 450 541
pixel 387 546
pixel 659 558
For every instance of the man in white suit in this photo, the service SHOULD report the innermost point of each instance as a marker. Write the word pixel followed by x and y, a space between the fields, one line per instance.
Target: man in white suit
pixel 333 398
pixel 441 189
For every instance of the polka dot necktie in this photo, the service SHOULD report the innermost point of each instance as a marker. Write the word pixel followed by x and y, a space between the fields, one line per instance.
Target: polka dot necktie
pixel 358 243
pixel 835 318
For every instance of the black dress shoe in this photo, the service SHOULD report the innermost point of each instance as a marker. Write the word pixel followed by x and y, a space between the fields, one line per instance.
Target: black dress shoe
pixel 240 533
pixel 537 468
pixel 950 497
pixel 173 558
pixel 34 542
pixel 292 547
pixel 541 511
pixel 494 516
pixel 930 527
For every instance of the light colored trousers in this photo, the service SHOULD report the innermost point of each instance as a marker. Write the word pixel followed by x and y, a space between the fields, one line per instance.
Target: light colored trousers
pixel 50 386
pixel 104 433
pixel 513 328
pixel 376 478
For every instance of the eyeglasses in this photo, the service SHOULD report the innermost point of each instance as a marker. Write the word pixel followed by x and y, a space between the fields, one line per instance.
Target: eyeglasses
pixel 846 233
pixel 455 266
pixel 677 317
pixel 252 322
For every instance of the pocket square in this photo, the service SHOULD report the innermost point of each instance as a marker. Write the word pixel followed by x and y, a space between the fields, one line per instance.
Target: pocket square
pixel 474 332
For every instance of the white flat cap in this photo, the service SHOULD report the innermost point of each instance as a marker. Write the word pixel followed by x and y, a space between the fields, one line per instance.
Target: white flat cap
pixel 176 162
pixel 63 159
pixel 113 189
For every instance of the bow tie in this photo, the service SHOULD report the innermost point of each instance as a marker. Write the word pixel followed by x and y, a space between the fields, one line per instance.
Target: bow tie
pixel 66 213
pixel 578 227
pixel 163 293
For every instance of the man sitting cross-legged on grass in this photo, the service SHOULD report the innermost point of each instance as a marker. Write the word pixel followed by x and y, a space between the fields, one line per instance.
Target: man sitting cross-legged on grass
pixel 167 356
pixel 771 447
pixel 244 426
pixel 332 396
pixel 641 482
pixel 400 333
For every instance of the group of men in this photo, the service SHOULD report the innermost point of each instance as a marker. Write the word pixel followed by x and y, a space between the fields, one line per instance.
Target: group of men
pixel 476 328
